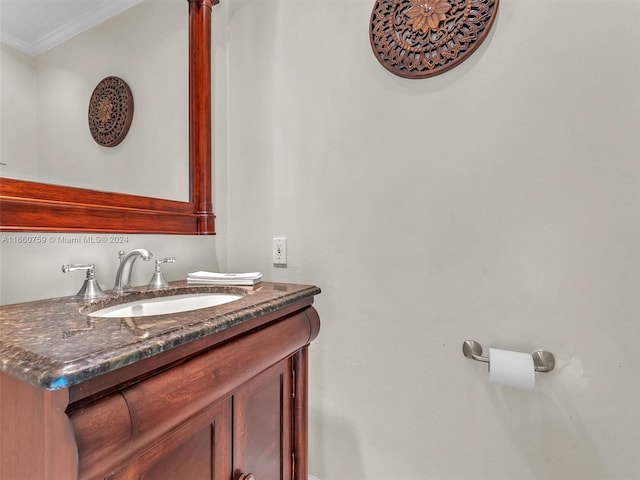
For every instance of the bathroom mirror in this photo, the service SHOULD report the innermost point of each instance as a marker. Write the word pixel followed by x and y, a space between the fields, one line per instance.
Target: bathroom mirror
pixel 33 206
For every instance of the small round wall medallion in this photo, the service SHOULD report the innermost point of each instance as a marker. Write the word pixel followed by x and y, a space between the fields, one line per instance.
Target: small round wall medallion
pixel 422 38
pixel 110 111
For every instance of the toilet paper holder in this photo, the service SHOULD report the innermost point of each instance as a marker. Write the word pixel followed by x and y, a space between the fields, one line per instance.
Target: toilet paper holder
pixel 543 361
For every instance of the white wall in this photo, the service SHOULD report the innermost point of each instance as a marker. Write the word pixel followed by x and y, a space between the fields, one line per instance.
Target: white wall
pixel 497 202
pixel 30 270
pixel 18 112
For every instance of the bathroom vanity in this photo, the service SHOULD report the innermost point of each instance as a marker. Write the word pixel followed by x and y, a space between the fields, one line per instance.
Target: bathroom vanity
pixel 214 393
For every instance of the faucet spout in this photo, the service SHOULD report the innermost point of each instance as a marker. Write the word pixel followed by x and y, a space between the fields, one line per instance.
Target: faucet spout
pixel 123 276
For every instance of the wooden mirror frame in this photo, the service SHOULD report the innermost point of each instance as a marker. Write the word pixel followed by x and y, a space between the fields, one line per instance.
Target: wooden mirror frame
pixel 32 206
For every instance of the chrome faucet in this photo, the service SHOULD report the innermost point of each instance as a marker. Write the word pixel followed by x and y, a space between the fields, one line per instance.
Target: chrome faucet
pixel 123 277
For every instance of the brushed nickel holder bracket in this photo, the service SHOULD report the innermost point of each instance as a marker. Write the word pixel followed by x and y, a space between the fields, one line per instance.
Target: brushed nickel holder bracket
pixel 543 361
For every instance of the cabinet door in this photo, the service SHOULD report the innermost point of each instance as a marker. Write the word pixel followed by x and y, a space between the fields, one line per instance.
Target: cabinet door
pixel 262 425
pixel 199 449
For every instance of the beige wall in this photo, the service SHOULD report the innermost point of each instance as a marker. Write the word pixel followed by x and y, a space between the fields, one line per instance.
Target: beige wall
pixel 499 202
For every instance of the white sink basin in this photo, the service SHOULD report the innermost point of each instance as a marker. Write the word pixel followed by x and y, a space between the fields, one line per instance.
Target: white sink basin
pixel 166 305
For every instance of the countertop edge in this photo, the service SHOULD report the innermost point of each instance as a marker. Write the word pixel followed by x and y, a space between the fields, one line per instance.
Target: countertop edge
pixel 46 374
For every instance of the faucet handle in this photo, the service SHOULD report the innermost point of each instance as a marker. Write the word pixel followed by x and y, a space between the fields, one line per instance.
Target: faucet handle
pixel 72 267
pixel 90 289
pixel 158 280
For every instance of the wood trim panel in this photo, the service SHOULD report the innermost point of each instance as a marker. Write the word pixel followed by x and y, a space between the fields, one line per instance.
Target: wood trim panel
pixel 217 419
pixel 200 112
pixel 33 422
pixel 263 425
pixel 37 216
pixel 106 426
pixel 104 384
pixel 301 413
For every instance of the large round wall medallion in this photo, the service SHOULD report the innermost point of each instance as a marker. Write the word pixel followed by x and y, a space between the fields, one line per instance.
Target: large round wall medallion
pixel 110 111
pixel 422 38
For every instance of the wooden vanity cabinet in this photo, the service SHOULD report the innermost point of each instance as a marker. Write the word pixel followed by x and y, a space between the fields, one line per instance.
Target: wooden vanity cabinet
pixel 234 410
pixel 246 433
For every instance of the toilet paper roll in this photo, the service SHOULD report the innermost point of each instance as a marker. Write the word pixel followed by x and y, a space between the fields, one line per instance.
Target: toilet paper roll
pixel 512 369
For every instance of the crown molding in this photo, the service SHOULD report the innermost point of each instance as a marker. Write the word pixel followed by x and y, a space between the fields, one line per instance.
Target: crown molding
pixel 101 12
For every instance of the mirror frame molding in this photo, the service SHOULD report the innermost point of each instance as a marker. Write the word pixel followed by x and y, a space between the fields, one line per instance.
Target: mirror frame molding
pixel 33 206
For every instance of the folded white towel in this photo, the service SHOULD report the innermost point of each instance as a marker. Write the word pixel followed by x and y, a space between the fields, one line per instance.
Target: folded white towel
pixel 215 278
pixel 220 276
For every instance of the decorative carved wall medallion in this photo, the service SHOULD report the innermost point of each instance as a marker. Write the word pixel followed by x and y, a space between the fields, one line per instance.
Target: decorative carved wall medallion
pixel 422 38
pixel 110 111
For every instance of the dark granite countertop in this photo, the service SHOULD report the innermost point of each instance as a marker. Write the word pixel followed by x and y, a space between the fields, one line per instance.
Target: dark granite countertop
pixel 54 344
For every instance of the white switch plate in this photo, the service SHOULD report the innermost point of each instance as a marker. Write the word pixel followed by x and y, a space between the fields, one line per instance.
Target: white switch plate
pixel 280 251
